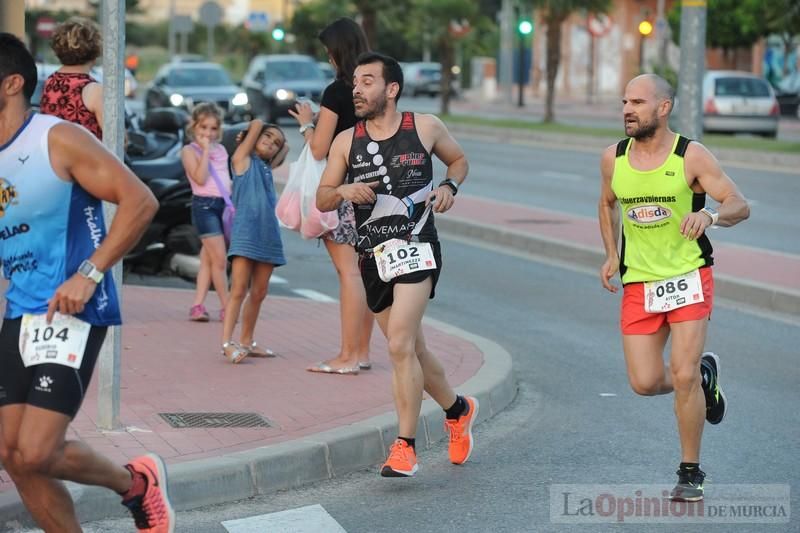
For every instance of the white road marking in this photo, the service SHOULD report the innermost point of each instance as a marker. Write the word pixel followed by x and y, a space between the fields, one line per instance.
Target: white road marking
pixel 308 519
pixel 313 295
pixel 607 394
pixel 277 280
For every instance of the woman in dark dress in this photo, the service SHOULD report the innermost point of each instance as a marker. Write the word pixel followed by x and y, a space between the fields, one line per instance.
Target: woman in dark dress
pixel 344 40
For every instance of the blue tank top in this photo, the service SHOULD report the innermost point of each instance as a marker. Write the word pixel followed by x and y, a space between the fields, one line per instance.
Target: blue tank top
pixel 48 226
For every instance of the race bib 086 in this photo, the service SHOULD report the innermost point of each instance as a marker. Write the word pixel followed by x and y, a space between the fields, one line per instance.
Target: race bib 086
pixel 397 257
pixel 673 293
pixel 61 342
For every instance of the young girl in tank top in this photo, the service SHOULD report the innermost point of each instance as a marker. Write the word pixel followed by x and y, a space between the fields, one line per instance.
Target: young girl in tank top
pixel 208 203
pixel 256 247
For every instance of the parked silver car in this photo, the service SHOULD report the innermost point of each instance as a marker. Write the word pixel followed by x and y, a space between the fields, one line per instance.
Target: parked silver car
pixel 739 102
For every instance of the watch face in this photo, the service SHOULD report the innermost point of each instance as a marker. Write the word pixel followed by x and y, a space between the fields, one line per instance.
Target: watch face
pixel 85 268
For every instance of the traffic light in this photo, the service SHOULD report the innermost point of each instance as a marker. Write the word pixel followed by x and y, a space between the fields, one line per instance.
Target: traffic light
pixel 525 27
pixel 645 28
pixel 278 34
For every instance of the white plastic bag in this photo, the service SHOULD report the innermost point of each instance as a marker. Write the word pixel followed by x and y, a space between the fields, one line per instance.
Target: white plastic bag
pixel 301 193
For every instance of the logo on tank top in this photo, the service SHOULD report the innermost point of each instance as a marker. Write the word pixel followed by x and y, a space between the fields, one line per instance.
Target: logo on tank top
pixel 648 214
pixel 8 196
pixel 408 160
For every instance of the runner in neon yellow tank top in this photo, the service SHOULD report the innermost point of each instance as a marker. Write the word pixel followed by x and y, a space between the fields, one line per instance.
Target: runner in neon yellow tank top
pixel 656 182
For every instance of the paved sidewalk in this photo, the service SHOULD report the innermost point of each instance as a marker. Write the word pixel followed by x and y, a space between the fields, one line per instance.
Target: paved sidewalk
pixel 173 365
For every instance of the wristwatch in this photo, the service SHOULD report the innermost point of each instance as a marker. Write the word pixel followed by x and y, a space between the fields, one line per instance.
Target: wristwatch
pixel 712 213
pixel 89 271
pixel 306 126
pixel 453 184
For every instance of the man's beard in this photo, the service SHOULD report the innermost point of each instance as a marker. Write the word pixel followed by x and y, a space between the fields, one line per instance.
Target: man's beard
pixel 646 130
pixel 374 111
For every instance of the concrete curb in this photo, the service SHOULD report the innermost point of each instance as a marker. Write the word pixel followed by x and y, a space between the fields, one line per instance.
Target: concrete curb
pixel 287 465
pixel 780 161
pixel 753 294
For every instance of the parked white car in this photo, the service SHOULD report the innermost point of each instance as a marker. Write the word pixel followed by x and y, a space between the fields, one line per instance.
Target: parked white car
pixel 739 102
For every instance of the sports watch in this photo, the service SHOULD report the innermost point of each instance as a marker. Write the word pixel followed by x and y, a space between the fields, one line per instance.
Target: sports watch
pixel 453 184
pixel 306 126
pixel 712 213
pixel 89 271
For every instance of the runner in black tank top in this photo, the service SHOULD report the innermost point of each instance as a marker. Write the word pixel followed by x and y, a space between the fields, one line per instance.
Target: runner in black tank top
pixel 404 169
pixel 386 159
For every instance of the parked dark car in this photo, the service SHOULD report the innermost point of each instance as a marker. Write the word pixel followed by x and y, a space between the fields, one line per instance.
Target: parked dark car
pixel 274 83
pixel 184 84
pixel 788 95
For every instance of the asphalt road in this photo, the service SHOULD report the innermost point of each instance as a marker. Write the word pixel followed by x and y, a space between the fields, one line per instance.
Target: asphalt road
pixel 575 420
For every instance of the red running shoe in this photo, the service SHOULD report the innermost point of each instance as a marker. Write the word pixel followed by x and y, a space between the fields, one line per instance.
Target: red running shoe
pixel 152 510
pixel 460 429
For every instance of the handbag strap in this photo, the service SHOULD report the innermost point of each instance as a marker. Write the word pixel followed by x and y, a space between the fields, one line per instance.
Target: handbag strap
pixel 217 179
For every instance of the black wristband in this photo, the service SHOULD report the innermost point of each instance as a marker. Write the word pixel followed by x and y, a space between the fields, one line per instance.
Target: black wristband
pixel 452 184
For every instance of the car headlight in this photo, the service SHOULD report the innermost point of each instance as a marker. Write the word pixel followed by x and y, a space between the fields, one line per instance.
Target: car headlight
pixel 175 99
pixel 283 94
pixel 240 99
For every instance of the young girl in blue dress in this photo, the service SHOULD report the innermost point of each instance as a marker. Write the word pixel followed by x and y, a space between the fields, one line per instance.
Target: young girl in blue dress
pixel 256 247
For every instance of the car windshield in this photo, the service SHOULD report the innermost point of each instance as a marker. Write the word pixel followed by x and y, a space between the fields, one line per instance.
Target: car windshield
pixel 196 77
pixel 749 87
pixel 292 70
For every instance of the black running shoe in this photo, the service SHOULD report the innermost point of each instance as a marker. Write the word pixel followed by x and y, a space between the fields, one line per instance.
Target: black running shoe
pixel 689 487
pixel 716 405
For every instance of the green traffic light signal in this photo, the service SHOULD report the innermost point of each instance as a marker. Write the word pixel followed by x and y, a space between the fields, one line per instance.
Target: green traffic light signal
pixel 525 27
pixel 278 34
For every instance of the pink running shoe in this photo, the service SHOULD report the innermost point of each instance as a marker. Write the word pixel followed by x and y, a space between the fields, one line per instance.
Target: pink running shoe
pixel 151 511
pixel 198 313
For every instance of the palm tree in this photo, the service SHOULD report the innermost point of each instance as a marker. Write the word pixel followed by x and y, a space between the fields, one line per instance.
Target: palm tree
pixel 553 14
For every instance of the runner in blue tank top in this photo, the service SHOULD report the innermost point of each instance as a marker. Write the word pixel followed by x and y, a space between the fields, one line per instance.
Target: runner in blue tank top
pixel 387 160
pixel 60 300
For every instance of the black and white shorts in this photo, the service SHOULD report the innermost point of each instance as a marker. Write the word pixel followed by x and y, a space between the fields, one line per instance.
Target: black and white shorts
pixel 380 294
pixel 53 387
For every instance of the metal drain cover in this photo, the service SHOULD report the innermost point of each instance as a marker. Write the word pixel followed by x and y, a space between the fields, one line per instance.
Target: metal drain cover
pixel 215 420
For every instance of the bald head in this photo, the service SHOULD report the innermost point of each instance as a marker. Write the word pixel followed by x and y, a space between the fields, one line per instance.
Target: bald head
pixel 661 89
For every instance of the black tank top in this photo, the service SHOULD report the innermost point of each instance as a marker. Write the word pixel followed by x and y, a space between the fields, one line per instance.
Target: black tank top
pixel 405 171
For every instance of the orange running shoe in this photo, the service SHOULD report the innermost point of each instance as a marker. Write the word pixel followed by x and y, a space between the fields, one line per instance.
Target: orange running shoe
pixel 152 511
pixel 402 461
pixel 460 429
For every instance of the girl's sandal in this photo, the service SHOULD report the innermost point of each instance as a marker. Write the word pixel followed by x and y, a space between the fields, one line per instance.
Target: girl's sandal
pixel 233 352
pixel 254 350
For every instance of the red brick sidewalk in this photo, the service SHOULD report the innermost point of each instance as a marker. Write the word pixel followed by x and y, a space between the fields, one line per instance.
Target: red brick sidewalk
pixel 172 365
pixel 752 264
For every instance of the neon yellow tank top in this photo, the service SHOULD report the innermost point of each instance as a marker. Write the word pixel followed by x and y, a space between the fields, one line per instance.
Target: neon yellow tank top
pixel 652 205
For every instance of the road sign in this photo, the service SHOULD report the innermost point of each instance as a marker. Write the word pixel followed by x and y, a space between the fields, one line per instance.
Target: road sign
pixel 459 28
pixel 210 14
pixel 599 24
pixel 257 21
pixel 45 27
pixel 182 24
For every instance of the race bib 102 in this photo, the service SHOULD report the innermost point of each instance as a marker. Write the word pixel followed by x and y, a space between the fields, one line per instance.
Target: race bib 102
pixel 397 257
pixel 61 342
pixel 673 293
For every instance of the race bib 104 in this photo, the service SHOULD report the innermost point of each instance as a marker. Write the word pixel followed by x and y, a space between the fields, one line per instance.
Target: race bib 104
pixel 61 342
pixel 672 293
pixel 397 257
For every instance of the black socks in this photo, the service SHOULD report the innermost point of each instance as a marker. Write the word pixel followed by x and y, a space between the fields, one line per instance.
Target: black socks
pixel 690 467
pixel 459 408
pixel 410 442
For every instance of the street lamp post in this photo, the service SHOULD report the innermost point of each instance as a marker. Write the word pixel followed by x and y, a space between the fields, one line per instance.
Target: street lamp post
pixel 524 28
pixel 645 29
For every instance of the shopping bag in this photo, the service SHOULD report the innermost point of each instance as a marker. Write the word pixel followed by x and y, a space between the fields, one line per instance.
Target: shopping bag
pixel 304 177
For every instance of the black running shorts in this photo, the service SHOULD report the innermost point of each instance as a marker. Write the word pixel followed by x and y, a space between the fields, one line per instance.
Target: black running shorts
pixel 380 294
pixel 54 387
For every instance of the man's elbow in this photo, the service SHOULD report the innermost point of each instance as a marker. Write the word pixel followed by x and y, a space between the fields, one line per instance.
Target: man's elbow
pixel 149 205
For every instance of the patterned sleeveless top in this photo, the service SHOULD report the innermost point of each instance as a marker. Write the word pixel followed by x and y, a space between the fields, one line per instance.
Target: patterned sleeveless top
pixel 62 96
pixel 404 169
